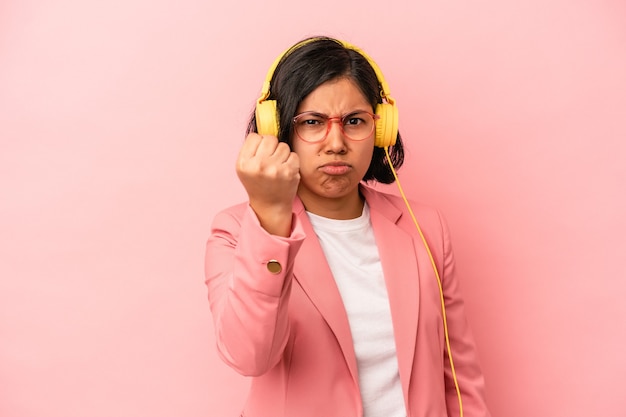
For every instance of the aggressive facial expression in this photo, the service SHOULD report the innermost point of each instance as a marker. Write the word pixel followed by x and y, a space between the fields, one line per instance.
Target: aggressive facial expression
pixel 331 169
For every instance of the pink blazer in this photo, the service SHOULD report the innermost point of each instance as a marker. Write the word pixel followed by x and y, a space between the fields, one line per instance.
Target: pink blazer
pixel 290 332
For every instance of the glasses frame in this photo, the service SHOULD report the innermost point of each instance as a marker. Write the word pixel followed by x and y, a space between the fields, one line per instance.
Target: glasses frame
pixel 330 120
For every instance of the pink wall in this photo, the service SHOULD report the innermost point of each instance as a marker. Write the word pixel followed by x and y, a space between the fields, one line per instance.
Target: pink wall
pixel 119 125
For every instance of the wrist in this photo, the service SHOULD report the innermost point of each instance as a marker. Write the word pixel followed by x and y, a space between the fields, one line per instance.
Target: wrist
pixel 274 218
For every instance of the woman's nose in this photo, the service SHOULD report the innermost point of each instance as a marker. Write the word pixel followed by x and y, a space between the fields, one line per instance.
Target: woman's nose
pixel 335 140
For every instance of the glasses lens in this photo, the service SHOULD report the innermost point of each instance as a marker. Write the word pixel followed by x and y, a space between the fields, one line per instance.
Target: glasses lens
pixel 310 127
pixel 358 126
pixel 313 127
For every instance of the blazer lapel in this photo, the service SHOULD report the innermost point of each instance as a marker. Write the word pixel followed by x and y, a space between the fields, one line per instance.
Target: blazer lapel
pixel 398 258
pixel 397 253
pixel 314 276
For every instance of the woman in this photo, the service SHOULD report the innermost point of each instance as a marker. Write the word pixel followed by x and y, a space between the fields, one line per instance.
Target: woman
pixel 322 288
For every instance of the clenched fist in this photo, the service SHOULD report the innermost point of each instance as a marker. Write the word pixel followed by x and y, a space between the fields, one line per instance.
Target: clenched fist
pixel 270 173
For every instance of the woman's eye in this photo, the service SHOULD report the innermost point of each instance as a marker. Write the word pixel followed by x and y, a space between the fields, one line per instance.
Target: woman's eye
pixel 353 121
pixel 311 122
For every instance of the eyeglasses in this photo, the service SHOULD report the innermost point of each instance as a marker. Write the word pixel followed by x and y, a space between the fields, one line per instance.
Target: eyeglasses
pixel 314 127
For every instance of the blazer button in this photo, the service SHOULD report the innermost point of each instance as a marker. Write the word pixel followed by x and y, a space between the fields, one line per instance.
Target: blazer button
pixel 274 267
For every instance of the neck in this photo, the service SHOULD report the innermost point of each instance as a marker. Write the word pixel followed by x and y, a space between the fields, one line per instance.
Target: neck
pixel 342 208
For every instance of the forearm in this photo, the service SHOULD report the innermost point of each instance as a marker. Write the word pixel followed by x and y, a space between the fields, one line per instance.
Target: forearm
pixel 249 297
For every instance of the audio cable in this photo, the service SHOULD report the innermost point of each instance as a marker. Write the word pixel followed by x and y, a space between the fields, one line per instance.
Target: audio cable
pixel 441 296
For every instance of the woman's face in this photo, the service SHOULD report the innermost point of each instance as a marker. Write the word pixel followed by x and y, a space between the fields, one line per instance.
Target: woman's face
pixel 331 170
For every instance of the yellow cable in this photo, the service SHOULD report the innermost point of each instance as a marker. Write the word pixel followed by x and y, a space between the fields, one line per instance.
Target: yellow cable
pixel 432 261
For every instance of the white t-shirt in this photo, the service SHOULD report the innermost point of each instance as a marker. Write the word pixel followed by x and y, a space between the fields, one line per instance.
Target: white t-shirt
pixel 352 254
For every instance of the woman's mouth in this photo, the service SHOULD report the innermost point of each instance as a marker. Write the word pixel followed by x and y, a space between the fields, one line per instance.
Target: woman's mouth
pixel 335 168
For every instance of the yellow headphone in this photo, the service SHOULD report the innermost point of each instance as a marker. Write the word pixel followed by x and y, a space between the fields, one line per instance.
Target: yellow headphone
pixel 386 126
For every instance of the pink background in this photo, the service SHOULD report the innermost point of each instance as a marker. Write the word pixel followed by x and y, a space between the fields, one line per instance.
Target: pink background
pixel 119 126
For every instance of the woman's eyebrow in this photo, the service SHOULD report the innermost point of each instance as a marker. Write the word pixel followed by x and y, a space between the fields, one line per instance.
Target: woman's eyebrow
pixel 313 113
pixel 316 113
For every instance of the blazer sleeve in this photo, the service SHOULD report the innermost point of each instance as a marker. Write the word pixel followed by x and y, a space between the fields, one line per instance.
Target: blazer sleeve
pixel 464 355
pixel 248 300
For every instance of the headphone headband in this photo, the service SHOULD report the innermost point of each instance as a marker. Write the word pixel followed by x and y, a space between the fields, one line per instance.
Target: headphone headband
pixel 384 87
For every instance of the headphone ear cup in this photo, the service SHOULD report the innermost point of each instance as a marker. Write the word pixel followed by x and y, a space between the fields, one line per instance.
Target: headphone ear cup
pixel 266 118
pixel 386 125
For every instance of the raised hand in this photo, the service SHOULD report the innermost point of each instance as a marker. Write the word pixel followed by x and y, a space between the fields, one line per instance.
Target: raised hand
pixel 270 174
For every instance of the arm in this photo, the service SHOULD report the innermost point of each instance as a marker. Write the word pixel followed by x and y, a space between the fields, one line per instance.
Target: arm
pixel 249 302
pixel 250 255
pixel 464 356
